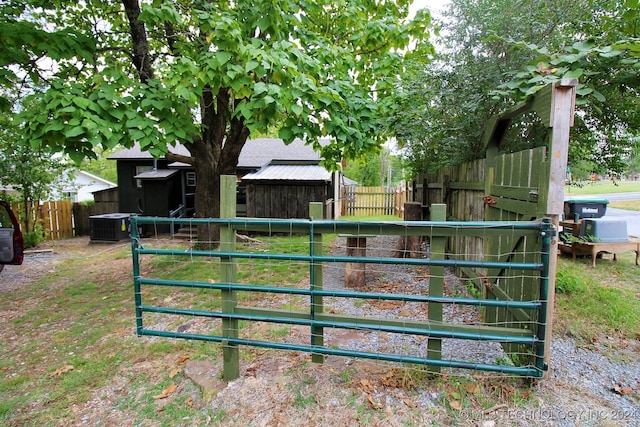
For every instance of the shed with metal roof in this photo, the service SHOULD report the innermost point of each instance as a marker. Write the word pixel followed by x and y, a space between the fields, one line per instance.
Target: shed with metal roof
pixel 284 189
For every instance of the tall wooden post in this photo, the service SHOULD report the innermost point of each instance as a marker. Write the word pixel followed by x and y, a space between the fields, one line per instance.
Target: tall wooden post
pixel 228 273
pixel 436 285
pixel 560 119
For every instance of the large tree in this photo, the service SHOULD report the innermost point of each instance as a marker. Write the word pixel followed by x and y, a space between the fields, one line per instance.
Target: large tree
pixel 499 52
pixel 208 75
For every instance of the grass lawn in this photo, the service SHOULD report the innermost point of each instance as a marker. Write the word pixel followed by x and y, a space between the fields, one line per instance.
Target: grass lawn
pixel 600 304
pixel 629 205
pixel 607 187
pixel 593 303
pixel 602 187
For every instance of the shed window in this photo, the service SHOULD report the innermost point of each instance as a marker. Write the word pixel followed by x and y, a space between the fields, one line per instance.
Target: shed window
pixel 139 170
pixel 191 179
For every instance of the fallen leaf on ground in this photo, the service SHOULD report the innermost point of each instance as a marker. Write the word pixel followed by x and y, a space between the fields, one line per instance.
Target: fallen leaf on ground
pixel 175 372
pixel 373 403
pixel 622 391
pixel 366 385
pixel 395 378
pixel 472 388
pixel 455 405
pixel 387 305
pixel 166 392
pixel 410 403
pixel 61 371
pixel 183 359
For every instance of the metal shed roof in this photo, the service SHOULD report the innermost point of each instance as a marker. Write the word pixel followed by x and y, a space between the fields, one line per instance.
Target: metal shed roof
pixel 289 173
pixel 156 174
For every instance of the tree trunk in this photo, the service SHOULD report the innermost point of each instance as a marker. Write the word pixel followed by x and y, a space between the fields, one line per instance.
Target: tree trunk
pixel 355 272
pixel 27 214
pixel 213 153
pixel 207 203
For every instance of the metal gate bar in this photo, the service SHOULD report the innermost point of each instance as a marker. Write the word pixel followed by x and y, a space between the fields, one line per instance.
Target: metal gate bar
pixel 316 319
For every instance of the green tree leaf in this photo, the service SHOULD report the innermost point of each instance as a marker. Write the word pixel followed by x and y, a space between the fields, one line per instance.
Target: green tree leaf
pixel 74 132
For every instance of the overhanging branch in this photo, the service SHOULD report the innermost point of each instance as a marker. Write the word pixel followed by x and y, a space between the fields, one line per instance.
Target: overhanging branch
pixel 172 157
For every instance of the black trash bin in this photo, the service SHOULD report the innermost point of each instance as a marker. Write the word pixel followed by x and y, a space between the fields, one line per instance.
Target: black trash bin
pixel 585 208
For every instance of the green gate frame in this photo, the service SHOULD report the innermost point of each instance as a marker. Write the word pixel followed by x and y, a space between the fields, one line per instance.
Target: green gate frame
pixel 316 319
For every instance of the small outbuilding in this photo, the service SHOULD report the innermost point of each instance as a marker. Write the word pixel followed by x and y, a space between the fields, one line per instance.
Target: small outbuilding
pixel 284 189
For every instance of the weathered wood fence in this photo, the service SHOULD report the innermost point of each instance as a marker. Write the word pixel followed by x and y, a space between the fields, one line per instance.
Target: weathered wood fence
pixel 81 214
pixel 55 218
pixel 522 186
pixel 61 219
pixel 375 201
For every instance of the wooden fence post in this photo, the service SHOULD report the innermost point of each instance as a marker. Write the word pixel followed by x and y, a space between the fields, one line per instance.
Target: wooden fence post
pixel 409 246
pixel 355 272
pixel 228 273
pixel 563 112
pixel 436 284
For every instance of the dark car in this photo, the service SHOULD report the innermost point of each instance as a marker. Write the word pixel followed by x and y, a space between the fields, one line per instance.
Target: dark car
pixel 11 240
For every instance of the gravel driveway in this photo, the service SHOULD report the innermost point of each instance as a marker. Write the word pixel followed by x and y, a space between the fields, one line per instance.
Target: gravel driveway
pixel 35 265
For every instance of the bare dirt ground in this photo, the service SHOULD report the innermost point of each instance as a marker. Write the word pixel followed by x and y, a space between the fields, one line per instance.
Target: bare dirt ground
pixel 585 387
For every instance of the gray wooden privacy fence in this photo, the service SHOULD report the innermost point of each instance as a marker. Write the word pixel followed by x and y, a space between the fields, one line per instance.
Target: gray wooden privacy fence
pixel 211 285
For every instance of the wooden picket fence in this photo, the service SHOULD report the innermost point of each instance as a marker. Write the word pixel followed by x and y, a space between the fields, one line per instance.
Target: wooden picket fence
pixel 55 218
pixel 375 201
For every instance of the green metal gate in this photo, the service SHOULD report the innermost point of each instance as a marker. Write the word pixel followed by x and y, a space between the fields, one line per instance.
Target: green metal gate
pixel 232 311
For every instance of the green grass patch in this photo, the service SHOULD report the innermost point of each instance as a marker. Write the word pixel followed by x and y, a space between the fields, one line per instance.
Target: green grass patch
pixel 370 218
pixel 602 187
pixel 248 271
pixel 596 302
pixel 629 205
